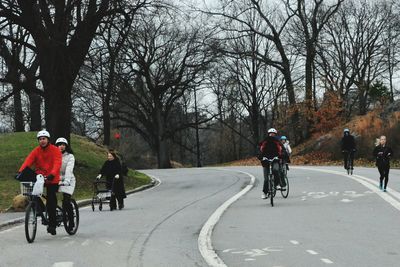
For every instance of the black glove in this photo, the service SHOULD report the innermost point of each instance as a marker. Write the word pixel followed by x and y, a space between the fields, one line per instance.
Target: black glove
pixel 50 177
pixel 17 175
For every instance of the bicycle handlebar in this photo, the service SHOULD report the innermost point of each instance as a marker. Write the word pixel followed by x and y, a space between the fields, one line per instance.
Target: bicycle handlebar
pixel 270 160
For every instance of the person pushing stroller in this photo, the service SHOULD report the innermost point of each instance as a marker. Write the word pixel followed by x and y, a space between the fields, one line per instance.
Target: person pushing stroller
pixel 112 170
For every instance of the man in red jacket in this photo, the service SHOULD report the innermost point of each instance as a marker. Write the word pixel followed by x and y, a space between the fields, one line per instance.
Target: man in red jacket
pixel 47 159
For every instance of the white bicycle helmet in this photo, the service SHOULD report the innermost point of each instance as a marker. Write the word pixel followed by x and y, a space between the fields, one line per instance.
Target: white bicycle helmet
pixel 61 140
pixel 43 133
pixel 346 130
pixel 272 130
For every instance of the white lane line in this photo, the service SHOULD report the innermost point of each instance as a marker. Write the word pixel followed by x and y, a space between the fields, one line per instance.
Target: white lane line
pixel 346 200
pixel 312 252
pixel 248 259
pixel 204 240
pixel 391 191
pixel 86 242
pixel 327 261
pixel 63 264
pixel 294 242
pixel 369 183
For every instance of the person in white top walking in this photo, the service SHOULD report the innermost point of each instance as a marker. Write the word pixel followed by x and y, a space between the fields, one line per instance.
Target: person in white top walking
pixel 67 177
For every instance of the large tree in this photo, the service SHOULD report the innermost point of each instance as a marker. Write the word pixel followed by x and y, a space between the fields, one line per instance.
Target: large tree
pixel 62 31
pixel 165 60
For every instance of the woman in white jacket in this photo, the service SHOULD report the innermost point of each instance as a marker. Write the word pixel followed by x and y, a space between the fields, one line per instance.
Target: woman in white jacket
pixel 67 178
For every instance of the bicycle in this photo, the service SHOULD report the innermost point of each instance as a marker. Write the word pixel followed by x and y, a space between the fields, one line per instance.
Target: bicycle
pixel 271 179
pixel 349 161
pixel 36 208
pixel 284 192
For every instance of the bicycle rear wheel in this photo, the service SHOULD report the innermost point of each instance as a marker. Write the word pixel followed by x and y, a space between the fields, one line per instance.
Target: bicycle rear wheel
pixel 285 193
pixel 71 226
pixel 30 222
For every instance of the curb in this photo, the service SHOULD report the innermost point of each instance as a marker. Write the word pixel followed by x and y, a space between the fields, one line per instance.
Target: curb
pixel 82 203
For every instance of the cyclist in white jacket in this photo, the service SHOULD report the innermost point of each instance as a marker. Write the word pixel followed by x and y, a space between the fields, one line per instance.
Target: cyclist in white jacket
pixel 67 178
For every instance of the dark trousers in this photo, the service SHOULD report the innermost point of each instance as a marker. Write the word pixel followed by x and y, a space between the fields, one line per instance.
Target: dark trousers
pixel 51 203
pixel 345 154
pixel 384 174
pixel 67 207
pixel 276 171
pixel 113 199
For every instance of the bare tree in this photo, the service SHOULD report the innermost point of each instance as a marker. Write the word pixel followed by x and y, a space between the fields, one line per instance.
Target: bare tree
pixel 357 53
pixel 62 32
pixel 165 58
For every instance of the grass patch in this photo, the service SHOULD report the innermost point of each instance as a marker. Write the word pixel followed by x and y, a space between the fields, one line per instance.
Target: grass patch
pixel 89 157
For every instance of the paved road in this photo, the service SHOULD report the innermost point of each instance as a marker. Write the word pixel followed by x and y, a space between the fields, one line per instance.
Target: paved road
pixel 329 219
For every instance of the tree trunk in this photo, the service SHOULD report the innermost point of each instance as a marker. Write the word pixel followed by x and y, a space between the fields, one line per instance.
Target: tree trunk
pixel 35 115
pixel 162 149
pixel 106 124
pixel 18 114
pixel 57 78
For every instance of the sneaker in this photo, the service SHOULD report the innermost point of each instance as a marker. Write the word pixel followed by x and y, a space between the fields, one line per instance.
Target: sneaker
pixel 283 188
pixel 121 206
pixel 263 196
pixel 51 230
pixel 384 189
pixel 380 187
pixel 278 187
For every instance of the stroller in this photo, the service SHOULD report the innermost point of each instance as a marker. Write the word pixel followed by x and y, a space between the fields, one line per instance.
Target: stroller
pixel 101 195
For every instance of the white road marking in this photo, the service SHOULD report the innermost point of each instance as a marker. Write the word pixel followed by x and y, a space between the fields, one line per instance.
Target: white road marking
pixel 63 264
pixel 228 250
pixel 312 252
pixel 110 242
pixel 294 242
pixel 86 242
pixel 327 261
pixel 11 229
pixel 248 259
pixel 346 200
pixel 204 240
pixel 367 182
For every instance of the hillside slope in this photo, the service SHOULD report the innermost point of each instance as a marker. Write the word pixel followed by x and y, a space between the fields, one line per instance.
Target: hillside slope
pixel 14 148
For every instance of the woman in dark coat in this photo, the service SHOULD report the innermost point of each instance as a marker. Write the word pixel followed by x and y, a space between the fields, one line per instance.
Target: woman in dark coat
pixel 112 171
pixel 382 154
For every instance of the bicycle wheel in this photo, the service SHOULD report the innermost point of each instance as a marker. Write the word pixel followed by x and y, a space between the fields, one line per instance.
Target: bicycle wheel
pixel 30 222
pixel 272 190
pixel 72 226
pixel 285 193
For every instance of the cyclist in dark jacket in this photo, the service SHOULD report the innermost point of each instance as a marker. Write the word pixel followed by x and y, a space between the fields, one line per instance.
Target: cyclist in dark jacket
pixel 382 154
pixel 271 147
pixel 348 147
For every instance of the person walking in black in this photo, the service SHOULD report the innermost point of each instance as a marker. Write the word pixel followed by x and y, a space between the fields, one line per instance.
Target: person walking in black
pixel 382 154
pixel 348 147
pixel 113 171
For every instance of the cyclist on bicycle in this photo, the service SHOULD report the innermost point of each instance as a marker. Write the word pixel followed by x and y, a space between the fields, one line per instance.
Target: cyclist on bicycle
pixel 67 178
pixel 47 160
pixel 348 147
pixel 288 151
pixel 270 148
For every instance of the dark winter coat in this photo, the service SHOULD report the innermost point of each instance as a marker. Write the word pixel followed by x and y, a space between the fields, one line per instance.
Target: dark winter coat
pixel 382 154
pixel 348 143
pixel 109 170
pixel 270 147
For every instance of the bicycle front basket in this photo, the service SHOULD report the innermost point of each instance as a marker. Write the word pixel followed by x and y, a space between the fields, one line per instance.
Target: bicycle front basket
pixel 26 188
